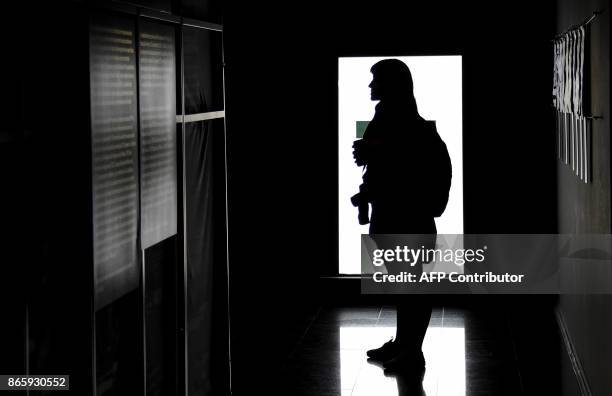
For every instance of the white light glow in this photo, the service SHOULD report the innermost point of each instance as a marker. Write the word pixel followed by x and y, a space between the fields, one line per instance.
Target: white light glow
pixel 438 92
pixel 443 347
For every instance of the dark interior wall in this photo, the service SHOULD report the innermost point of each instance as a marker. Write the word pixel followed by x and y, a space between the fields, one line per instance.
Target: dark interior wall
pixel 585 208
pixel 281 107
pixel 45 208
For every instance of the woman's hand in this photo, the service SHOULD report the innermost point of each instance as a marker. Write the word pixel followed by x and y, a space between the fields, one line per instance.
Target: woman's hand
pixel 360 152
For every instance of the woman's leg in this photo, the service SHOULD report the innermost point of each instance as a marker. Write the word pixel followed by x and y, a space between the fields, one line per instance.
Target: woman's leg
pixel 413 315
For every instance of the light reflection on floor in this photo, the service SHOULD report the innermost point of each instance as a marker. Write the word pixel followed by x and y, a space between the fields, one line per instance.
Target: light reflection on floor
pixel 444 349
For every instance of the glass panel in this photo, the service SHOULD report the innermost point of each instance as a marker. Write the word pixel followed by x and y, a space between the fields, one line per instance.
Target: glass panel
pixel 205 10
pixel 203 70
pixel 119 347
pixel 157 132
pixel 160 298
pixel 118 332
pixel 160 5
pixel 114 156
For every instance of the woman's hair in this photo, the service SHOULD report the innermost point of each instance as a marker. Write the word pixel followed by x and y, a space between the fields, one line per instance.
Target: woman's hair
pixel 395 78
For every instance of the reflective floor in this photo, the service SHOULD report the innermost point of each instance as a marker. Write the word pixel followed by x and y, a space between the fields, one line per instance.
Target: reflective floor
pixel 467 353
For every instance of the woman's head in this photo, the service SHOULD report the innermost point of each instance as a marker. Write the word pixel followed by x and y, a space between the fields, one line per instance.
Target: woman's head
pixel 391 80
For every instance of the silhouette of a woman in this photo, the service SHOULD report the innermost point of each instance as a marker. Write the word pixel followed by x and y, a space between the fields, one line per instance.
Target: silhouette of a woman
pixel 407 180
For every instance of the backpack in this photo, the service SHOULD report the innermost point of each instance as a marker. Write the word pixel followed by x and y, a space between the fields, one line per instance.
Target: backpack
pixel 441 173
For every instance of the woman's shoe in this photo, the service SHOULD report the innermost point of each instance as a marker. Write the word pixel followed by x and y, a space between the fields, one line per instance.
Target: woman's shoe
pixel 386 352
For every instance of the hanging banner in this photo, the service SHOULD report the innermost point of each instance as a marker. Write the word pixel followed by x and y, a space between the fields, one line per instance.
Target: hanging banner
pixel 568 99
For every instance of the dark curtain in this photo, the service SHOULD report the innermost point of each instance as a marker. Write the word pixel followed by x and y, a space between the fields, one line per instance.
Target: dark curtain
pixel 208 323
pixel 200 254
